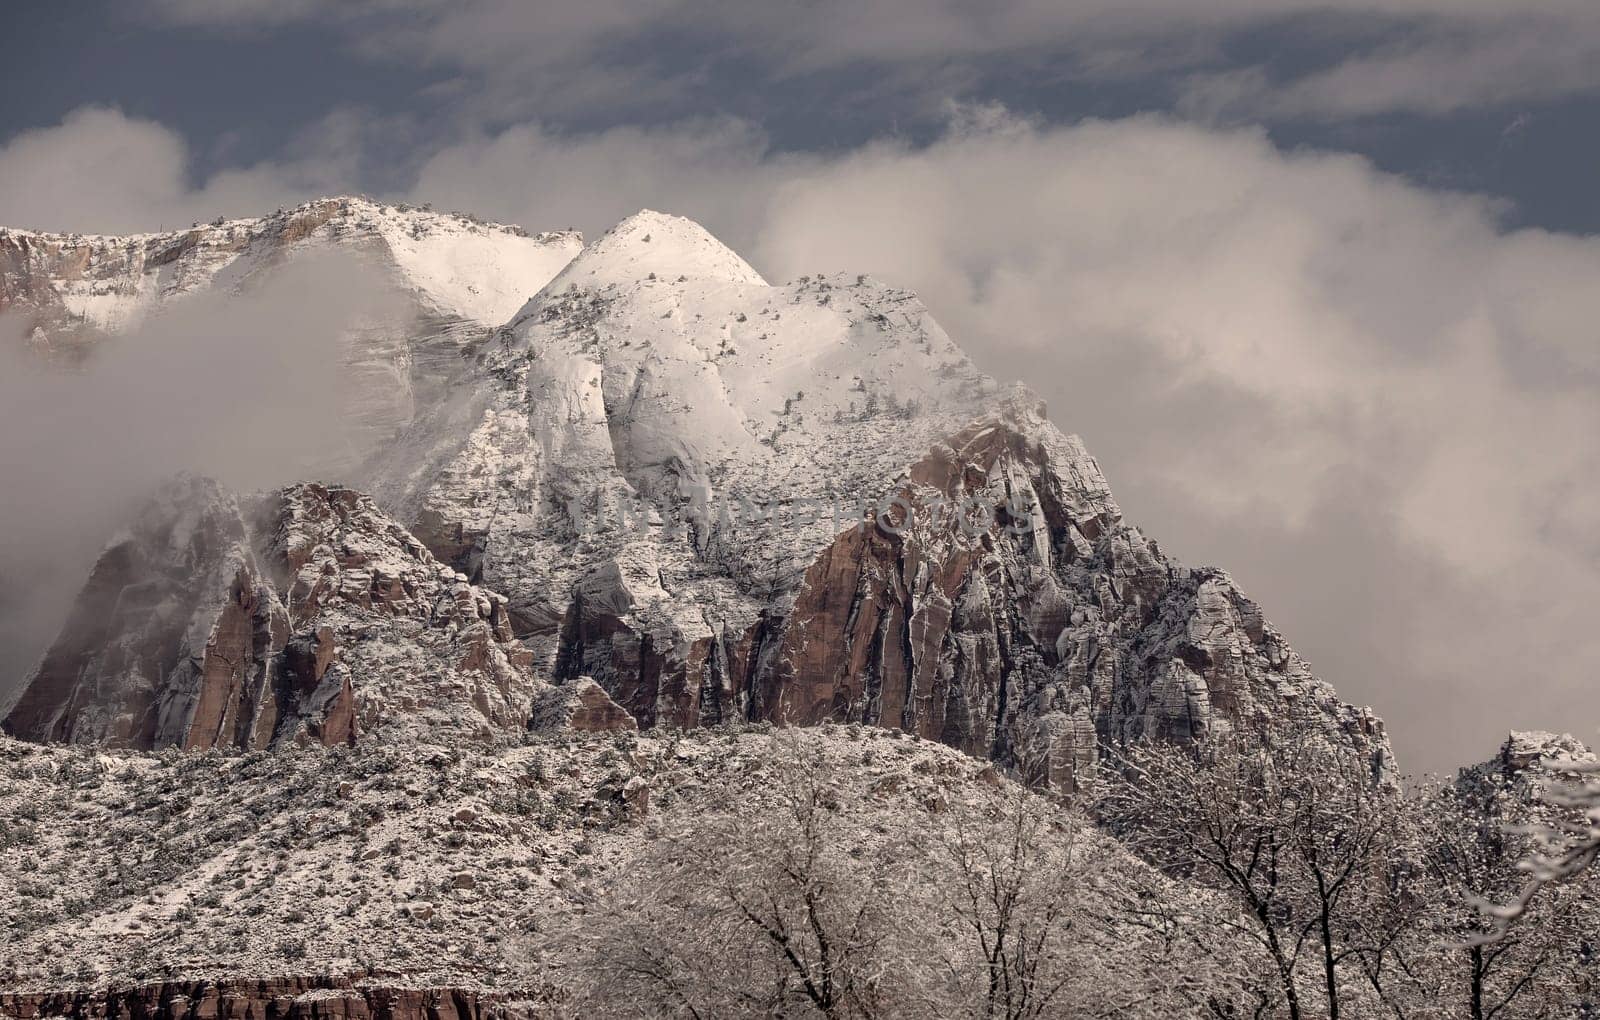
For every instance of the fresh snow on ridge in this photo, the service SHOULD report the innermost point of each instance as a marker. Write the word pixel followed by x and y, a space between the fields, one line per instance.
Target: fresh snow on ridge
pixel 456 265
pixel 649 243
pixel 480 271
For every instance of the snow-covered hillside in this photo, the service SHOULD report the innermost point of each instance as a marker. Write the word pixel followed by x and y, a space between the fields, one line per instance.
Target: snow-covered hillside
pixel 466 867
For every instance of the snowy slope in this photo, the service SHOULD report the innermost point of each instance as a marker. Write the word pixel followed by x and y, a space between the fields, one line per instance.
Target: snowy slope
pixel 650 242
pixel 659 367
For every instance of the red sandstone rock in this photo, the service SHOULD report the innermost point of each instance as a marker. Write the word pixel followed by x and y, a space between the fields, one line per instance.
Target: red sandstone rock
pixel 582 705
pixel 307 615
pixel 1039 637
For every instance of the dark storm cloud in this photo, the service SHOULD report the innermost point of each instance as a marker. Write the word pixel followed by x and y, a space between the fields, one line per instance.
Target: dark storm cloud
pixel 1426 88
pixel 1423 55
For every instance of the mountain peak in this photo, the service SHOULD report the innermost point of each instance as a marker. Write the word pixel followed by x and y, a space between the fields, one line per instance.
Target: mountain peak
pixel 651 243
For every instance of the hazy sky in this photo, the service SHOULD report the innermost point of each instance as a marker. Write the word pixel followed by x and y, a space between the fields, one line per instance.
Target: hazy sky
pixel 1316 281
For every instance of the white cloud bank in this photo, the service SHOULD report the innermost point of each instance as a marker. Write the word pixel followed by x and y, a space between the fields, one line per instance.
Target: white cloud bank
pixel 1374 405
pixel 101 171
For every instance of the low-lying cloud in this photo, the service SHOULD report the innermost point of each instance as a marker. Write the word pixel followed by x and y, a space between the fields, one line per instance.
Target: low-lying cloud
pixel 101 171
pixel 245 388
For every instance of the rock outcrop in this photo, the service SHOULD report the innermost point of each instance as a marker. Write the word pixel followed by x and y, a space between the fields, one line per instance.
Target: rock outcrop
pixel 582 706
pixel 1530 749
pixel 303 615
pixel 285 998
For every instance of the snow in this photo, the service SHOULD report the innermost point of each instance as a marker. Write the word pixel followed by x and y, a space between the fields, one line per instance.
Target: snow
pixel 650 242
pixel 112 306
pixel 482 273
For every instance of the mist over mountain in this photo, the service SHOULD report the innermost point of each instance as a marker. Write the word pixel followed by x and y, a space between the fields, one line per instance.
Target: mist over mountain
pixel 258 352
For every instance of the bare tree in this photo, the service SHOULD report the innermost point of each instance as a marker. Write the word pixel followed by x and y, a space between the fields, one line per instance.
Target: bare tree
pixel 757 912
pixel 1014 895
pixel 910 893
pixel 1296 831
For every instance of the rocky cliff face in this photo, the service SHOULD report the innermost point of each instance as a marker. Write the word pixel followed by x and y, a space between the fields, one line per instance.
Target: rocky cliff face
pixel 1007 609
pixel 998 604
pixel 306 615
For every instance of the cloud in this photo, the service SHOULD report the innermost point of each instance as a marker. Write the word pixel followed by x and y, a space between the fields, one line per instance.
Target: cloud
pixel 1416 56
pixel 719 171
pixel 97 170
pixel 102 171
pixel 1488 63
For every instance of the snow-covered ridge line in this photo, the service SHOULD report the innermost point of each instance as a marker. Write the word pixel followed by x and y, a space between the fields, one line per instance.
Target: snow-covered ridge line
pixel 457 264
pixel 348 204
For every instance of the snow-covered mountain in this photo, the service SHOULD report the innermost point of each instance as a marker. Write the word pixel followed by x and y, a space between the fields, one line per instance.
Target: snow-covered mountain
pixel 753 423
pixel 726 499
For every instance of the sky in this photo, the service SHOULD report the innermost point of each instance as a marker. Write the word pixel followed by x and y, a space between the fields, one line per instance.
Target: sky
pixel 1314 279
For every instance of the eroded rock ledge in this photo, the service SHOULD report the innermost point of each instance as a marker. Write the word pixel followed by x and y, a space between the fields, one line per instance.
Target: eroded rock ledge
pixel 286 998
